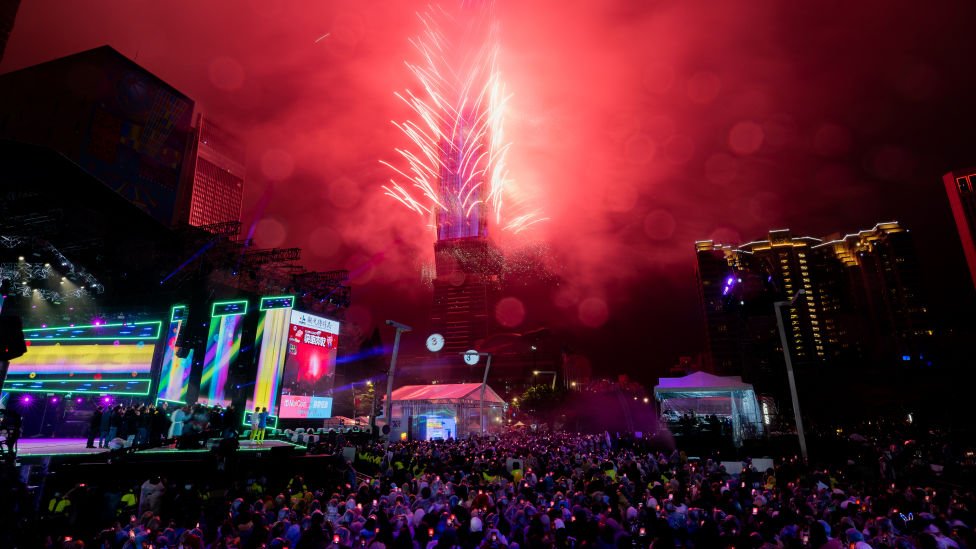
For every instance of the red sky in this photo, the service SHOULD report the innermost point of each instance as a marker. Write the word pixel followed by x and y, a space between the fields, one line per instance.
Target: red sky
pixel 637 126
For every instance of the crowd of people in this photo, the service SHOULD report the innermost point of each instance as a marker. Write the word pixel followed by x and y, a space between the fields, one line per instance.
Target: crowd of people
pixel 558 490
pixel 143 425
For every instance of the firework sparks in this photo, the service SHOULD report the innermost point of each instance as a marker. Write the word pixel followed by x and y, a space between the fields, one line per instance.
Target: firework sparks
pixel 323 37
pixel 455 170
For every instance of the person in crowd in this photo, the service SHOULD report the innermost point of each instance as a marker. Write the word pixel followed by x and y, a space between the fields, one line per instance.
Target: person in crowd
pixel 105 427
pixel 151 495
pixel 176 422
pixel 262 425
pixel 94 426
pixel 568 491
pixel 255 421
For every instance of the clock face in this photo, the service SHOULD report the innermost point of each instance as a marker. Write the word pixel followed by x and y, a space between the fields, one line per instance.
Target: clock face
pixel 471 357
pixel 435 342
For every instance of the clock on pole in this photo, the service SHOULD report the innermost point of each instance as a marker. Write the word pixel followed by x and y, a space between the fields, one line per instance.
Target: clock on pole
pixel 435 342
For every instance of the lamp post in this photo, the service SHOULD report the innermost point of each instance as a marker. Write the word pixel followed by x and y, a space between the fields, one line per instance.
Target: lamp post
pixel 388 407
pixel 471 358
pixel 777 306
pixel 553 372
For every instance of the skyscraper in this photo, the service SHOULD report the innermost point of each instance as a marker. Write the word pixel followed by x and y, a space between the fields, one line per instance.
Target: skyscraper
pixel 112 117
pixel 213 191
pixel 961 187
pixel 861 301
pixel 8 15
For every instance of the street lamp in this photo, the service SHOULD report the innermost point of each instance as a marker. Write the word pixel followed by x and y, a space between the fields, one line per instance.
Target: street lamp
pixel 553 372
pixel 388 407
pixel 471 358
pixel 789 370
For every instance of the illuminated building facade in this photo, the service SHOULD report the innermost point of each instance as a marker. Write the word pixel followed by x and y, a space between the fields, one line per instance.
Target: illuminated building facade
pixel 861 301
pixel 961 188
pixel 214 188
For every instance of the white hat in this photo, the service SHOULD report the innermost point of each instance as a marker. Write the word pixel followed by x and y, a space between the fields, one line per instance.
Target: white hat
pixel 475 524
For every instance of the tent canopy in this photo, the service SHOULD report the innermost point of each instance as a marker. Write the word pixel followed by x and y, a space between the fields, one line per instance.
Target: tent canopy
pixel 702 393
pixel 445 392
pixel 701 382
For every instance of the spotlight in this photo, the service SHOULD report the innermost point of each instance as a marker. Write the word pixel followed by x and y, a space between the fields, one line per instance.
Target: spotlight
pixel 79 400
pixel 26 399
pixel 54 400
pixel 21 258
pixel 47 264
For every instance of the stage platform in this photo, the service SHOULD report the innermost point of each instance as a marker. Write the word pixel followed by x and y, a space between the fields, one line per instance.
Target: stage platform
pixel 48 447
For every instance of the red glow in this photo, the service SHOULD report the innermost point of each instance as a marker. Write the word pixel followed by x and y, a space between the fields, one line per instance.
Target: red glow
pixel 639 127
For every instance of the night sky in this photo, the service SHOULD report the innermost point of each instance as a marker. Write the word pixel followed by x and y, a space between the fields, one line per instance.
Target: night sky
pixel 638 127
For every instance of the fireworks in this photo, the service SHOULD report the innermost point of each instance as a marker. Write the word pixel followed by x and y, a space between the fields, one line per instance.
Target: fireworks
pixel 455 171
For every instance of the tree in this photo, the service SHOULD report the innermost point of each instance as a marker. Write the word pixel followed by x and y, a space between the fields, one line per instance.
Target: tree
pixel 542 401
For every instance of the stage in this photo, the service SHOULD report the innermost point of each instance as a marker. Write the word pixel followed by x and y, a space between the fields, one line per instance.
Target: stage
pixel 47 447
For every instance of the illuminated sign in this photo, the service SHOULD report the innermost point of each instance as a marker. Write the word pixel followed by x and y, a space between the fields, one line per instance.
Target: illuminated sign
pixel 93 359
pixel 229 308
pixel 309 371
pixel 277 302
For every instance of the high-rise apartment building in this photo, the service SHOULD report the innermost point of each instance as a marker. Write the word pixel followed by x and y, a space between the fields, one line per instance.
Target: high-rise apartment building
pixel 214 181
pixel 860 301
pixel 961 187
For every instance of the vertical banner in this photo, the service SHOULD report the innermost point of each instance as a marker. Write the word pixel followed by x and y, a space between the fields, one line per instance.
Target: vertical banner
pixel 174 373
pixel 223 346
pixel 272 344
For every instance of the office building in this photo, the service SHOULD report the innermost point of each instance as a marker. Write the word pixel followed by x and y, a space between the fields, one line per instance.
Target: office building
pixel 961 188
pixel 8 15
pixel 213 192
pixel 118 121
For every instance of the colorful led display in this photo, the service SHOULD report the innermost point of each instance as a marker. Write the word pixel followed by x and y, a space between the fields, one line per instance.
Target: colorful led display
pixel 104 359
pixel 174 372
pixel 272 343
pixel 309 372
pixel 223 346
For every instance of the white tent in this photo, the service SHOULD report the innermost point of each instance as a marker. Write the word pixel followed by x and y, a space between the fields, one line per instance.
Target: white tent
pixel 457 406
pixel 704 394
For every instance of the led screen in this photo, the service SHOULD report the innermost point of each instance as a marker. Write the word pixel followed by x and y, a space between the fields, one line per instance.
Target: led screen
pixel 223 347
pixel 98 359
pixel 271 343
pixel 174 373
pixel 309 373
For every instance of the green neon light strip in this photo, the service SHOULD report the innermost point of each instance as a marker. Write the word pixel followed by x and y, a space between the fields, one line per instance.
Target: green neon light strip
pixel 155 335
pixel 290 298
pixel 50 328
pixel 63 392
pixel 213 310
pixel 158 400
pixel 172 314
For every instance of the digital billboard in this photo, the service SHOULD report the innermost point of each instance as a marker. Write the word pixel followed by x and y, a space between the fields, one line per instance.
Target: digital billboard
pixel 271 342
pixel 98 359
pixel 223 347
pixel 174 372
pixel 309 372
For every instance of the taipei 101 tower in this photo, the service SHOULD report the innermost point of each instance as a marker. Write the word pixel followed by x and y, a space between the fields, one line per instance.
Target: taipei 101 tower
pixel 454 173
